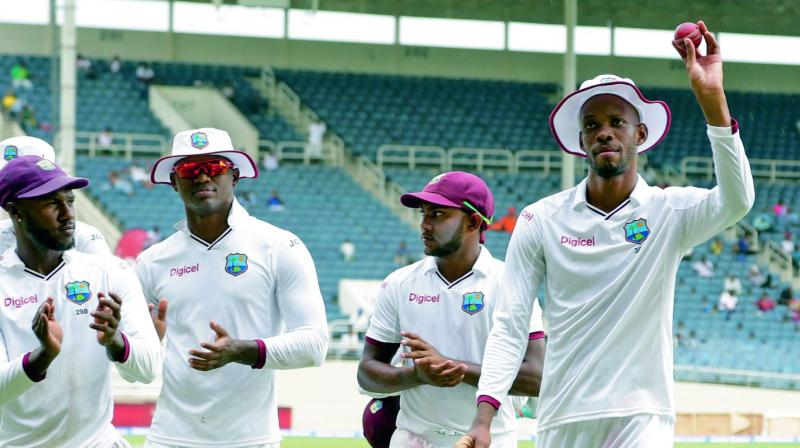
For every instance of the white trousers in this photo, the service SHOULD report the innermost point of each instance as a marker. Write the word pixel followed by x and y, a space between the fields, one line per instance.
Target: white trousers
pixel 636 431
pixel 406 439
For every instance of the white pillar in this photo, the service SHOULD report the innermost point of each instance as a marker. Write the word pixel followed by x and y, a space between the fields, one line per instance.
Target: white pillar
pixel 68 89
pixel 570 20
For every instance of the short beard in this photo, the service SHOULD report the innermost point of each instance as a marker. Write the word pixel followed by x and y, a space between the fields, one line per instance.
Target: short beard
pixel 41 237
pixel 449 247
pixel 609 170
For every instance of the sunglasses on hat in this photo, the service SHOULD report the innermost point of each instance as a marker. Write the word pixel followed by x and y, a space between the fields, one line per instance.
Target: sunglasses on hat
pixel 191 169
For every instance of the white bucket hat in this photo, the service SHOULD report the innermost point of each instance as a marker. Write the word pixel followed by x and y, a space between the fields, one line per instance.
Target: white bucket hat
pixel 198 142
pixel 14 147
pixel 565 118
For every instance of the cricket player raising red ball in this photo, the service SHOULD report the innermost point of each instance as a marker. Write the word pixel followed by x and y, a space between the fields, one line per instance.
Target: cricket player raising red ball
pixel 607 252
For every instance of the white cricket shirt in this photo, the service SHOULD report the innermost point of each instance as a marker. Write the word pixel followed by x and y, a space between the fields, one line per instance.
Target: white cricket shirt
pixel 254 278
pixel 72 406
pixel 610 281
pixel 87 238
pixel 455 318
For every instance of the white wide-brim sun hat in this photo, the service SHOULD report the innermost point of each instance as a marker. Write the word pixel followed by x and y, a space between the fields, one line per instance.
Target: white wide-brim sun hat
pixel 202 142
pixel 565 120
pixel 25 146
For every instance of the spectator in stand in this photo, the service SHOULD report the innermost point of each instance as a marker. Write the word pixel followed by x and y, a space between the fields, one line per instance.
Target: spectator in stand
pixel 275 203
pixel 755 276
pixel 85 68
pixel 507 222
pixel 786 296
pixel 743 247
pixel 316 135
pixel 27 118
pixel 140 176
pixel 249 199
pixel 105 138
pixel 21 76
pixel 717 246
pixel 9 100
pixel 348 250
pixel 763 221
pixel 794 309
pixel 765 303
pixel 269 162
pixel 732 283
pixel 115 66
pixel 727 303
pixel 780 209
pixel 703 267
pixel 116 182
pixel 145 75
pixel 787 245
pixel 401 256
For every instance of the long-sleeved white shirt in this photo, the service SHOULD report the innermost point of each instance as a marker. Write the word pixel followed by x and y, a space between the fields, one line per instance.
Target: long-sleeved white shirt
pixel 87 238
pixel 72 405
pixel 253 280
pixel 609 284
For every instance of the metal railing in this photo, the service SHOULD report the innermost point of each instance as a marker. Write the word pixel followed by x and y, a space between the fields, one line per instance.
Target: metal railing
pixel 412 156
pixel 480 159
pixel 125 144
pixel 744 377
pixel 297 151
pixel 767 169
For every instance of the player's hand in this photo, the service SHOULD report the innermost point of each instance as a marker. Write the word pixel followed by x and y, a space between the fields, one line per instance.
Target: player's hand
pixel 106 320
pixel 223 350
pixel 420 349
pixel 705 72
pixel 465 442
pixel 479 434
pixel 429 365
pixel 705 77
pixel 47 329
pixel 159 316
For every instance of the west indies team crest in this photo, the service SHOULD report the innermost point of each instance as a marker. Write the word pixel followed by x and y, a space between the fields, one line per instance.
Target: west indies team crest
pixel 236 264
pixel 199 140
pixel 10 152
pixel 78 292
pixel 636 231
pixel 472 302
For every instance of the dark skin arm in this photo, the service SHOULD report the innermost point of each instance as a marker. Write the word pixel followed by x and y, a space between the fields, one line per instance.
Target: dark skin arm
pixel 376 374
pixel 222 351
pixel 529 376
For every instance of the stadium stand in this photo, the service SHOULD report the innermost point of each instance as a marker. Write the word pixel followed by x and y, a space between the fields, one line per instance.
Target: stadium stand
pixel 372 110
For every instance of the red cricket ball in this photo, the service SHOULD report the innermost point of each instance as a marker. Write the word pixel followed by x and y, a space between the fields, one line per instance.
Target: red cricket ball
pixel 690 30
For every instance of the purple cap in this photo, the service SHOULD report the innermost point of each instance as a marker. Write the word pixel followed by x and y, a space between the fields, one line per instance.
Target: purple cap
pixel 456 189
pixel 33 177
pixel 380 420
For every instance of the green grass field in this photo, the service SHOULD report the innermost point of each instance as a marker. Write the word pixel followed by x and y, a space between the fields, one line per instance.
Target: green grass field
pixel 305 442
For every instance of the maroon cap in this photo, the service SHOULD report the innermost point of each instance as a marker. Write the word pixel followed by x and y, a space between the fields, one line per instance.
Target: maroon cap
pixel 380 420
pixel 33 177
pixel 456 189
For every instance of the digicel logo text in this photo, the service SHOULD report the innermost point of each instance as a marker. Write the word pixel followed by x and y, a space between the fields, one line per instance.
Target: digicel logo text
pixel 185 270
pixel 421 298
pixel 577 242
pixel 18 302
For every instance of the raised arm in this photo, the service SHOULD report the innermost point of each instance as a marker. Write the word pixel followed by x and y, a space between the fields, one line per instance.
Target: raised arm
pixel 707 212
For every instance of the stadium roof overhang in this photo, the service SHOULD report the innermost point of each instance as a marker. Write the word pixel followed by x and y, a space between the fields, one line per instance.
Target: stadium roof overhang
pixel 775 17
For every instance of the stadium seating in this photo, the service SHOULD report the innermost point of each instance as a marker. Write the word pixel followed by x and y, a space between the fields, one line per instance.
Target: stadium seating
pixel 371 110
